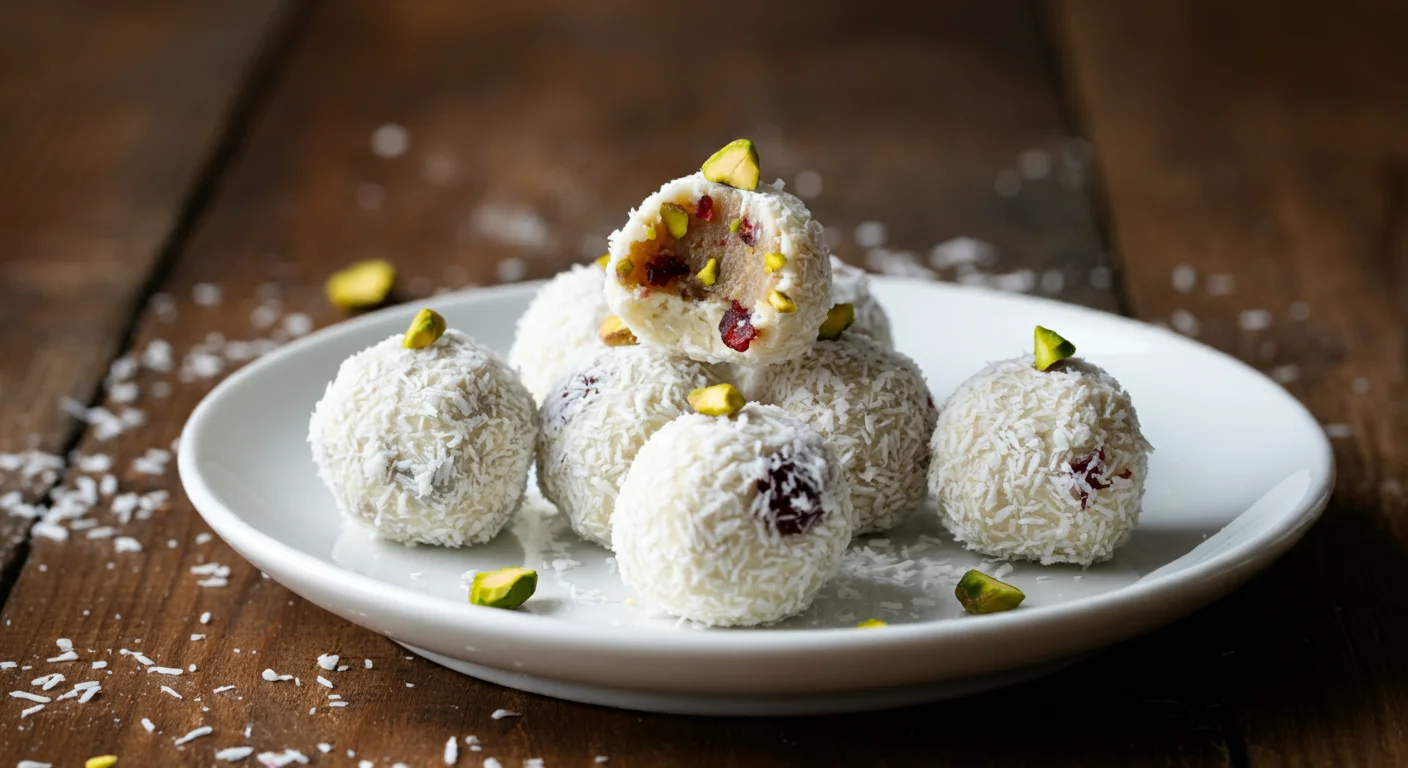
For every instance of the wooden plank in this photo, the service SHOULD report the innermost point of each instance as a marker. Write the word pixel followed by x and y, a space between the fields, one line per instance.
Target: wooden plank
pixel 542 117
pixel 1260 147
pixel 111 111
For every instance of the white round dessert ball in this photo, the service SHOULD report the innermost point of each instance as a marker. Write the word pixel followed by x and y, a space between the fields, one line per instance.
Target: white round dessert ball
pixel 1040 465
pixel 427 446
pixel 750 308
pixel 560 323
pixel 851 285
pixel 735 520
pixel 872 406
pixel 596 419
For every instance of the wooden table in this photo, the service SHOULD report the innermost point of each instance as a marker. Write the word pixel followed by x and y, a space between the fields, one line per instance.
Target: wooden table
pixel 171 170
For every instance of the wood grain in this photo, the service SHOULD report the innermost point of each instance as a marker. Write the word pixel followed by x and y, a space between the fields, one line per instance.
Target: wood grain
pixel 111 112
pixel 1267 142
pixel 557 120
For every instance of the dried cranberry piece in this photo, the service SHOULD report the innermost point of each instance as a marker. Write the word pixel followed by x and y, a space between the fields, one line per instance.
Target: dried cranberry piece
pixel 736 329
pixel 705 209
pixel 792 495
pixel 746 232
pixel 1088 471
pixel 664 269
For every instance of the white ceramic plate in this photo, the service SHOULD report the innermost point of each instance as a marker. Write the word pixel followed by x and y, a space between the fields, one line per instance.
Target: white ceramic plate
pixel 1240 471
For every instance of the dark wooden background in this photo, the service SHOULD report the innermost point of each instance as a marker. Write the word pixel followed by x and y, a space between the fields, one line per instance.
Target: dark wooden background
pixel 147 147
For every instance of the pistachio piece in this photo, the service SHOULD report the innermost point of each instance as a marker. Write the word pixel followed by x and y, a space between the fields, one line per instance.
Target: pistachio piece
pixel 981 593
pixel 426 327
pixel 1051 348
pixel 361 285
pixel 649 232
pixel 603 260
pixel 781 302
pixel 871 624
pixel 838 319
pixel 504 588
pixel 676 219
pixel 735 165
pixel 773 262
pixel 735 224
pixel 710 273
pixel 624 268
pixel 614 333
pixel 101 761
pixel 718 400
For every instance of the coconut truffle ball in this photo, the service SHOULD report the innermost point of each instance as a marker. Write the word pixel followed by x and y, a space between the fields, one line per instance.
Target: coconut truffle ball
pixel 1040 465
pixel 597 418
pixel 733 520
pixel 872 407
pixel 851 285
pixel 722 275
pixel 560 322
pixel 426 445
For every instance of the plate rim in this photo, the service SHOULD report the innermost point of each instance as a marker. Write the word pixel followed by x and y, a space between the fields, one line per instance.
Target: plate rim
pixel 1239 561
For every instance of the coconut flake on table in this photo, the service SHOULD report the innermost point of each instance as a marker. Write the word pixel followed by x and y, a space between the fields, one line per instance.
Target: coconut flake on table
pixel 452 751
pixel 204 730
pixel 328 661
pixel 234 754
pixel 282 759
pixel 272 676
pixel 500 714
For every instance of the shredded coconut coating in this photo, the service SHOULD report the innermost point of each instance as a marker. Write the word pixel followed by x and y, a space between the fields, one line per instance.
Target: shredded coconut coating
pixel 733 521
pixel 1045 466
pixel 427 445
pixel 872 406
pixel 596 419
pixel 559 323
pixel 692 327
pixel 851 285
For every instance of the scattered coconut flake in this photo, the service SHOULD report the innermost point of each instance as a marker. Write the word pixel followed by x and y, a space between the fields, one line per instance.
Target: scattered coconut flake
pixel 205 617
pixel 165 670
pixel 1007 183
pixel 490 762
pixel 1254 320
pixel 234 754
pixel 204 730
pixel 367 662
pixel 149 725
pixel 324 747
pixel 1002 571
pixel 47 682
pixel 206 294
pixel 337 704
pixel 32 710
pixel 167 689
pixel 89 693
pixel 281 759
pixel 452 751
pixel 511 270
pixel 65 656
pixel 602 758
pixel 126 544
pixel 390 140
pixel 500 714
pixel 223 688
pixel 197 638
pixel 100 664
pixel 328 661
pixel 273 676
pixel 33 764
pixel 323 681
pixel 1338 431
pixel 27 696
pixel 1184 322
pixel 47 530
pixel 871 234
pixel 1185 278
